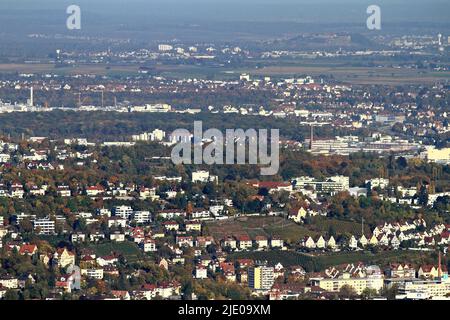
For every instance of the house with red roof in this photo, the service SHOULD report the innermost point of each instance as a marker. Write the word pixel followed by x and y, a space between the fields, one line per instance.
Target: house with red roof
pixel 121 294
pixel 244 242
pixel 171 225
pixel 262 242
pixel 272 186
pixel 28 249
pixel 66 283
pixel 93 191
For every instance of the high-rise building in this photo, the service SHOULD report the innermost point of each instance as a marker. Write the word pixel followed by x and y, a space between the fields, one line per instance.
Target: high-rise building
pixel 261 277
pixel 165 47
pixel 123 212
pixel 31 100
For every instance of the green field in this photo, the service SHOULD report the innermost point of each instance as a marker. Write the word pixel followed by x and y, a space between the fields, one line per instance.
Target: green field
pixel 351 74
pixel 319 262
pixel 339 70
pixel 254 226
pixel 286 229
pixel 128 249
pixel 323 225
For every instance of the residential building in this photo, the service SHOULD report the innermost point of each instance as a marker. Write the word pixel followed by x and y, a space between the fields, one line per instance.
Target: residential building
pixel 261 277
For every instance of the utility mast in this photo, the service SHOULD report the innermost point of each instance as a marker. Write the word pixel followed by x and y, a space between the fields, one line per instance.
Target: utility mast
pixel 362 227
pixel 311 137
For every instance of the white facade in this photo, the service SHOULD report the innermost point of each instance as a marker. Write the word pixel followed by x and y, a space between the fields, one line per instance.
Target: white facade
pixel 124 212
pixel 142 216
pixel 44 226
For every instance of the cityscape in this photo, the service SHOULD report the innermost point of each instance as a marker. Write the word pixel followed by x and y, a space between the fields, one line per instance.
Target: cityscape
pixel 321 170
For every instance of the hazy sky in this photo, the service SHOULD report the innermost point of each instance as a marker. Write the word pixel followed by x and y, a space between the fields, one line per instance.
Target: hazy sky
pixel 162 15
pixel 243 10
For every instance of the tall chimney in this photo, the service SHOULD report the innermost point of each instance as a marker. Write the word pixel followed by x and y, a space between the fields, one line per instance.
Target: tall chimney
pixel 311 138
pixel 440 266
pixel 31 97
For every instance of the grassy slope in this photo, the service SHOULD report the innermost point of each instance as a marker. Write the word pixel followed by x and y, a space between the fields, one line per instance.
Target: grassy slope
pixel 320 262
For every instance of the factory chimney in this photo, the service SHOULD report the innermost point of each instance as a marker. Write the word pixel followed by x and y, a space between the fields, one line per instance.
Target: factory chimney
pixel 31 97
pixel 311 138
pixel 440 266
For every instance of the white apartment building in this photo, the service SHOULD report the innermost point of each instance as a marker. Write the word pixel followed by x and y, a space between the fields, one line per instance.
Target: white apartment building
pixel 92 273
pixel 377 183
pixel 4 158
pixel 123 212
pixel 165 47
pixel 155 135
pixel 149 245
pixel 330 185
pixel 203 177
pixel 427 288
pixel 44 226
pixel 142 216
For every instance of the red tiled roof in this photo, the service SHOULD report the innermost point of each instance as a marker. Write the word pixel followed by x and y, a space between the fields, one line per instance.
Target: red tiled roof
pixel 28 249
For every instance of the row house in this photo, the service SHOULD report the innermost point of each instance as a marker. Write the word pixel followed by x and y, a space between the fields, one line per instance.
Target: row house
pixel 244 242
pixel 204 241
pixel 9 282
pixel 107 260
pixel 117 222
pixel 40 166
pixel 94 191
pixel 38 191
pixel 320 243
pixel 94 273
pixel 399 270
pixel 16 191
pixel 193 226
pixel 117 236
pixel 64 191
pixel 163 290
pixel 171 214
pixel 262 242
pixel 199 214
pixel 110 260
pixel 149 245
pixel 184 241
pixel 148 193
pixel 96 236
pixel 276 242
pixel 4 158
pixel 200 272
pixel 171 226
pixel 444 238
pixel 431 272
pixel 138 235
pixel 228 270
